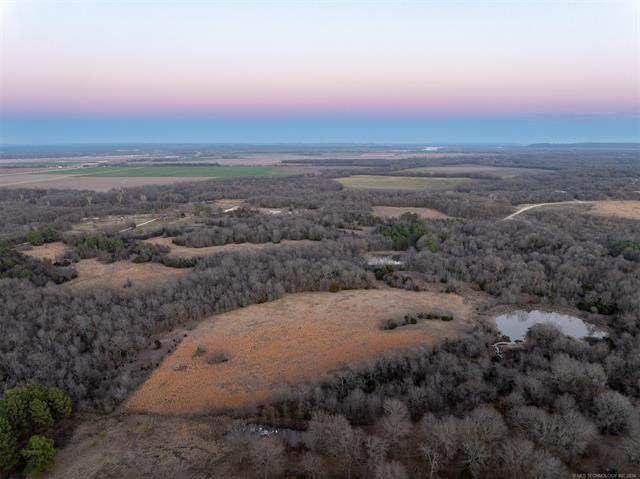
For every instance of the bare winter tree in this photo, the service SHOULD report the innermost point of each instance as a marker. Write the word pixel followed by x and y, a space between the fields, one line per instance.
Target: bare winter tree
pixel 478 432
pixel 332 434
pixel 395 422
pixel 375 450
pixel 432 457
pixel 390 470
pixel 313 465
pixel 441 434
pixel 575 433
pixel 515 455
pixel 543 465
pixel 267 455
pixel 613 412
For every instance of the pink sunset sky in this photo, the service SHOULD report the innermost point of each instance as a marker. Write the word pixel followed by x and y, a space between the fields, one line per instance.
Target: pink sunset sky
pixel 319 59
pixel 472 58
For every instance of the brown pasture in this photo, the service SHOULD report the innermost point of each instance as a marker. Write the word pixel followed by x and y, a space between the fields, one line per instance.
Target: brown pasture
pixel 628 209
pixel 396 211
pixel 187 252
pixel 92 274
pixel 49 251
pixel 503 172
pixel 77 182
pixel 273 346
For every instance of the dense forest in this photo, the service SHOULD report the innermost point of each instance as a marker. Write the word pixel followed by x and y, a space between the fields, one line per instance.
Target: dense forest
pixel 454 409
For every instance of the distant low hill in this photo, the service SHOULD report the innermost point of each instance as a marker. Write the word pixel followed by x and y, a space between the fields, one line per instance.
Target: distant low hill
pixel 587 146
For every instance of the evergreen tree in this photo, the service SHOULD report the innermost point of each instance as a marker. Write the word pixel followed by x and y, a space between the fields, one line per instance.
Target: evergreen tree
pixel 39 455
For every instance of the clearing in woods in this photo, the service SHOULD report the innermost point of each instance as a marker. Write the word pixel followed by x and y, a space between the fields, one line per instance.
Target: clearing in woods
pixel 397 211
pixel 189 252
pixel 502 172
pixel 50 251
pixel 92 274
pixel 301 337
pixel 628 209
pixel 375 182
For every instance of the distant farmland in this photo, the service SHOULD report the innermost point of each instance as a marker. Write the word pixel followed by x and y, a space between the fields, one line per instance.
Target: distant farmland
pixel 502 172
pixel 211 171
pixel 401 182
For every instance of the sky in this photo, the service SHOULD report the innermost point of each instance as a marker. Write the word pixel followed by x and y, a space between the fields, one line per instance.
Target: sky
pixel 319 71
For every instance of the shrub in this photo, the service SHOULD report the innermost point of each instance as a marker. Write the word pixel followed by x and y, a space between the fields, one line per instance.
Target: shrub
pixel 389 324
pixel 23 410
pixel 217 357
pixel 8 445
pixel 40 413
pixel 40 237
pixel 200 351
pixel 613 412
pixel 15 409
pixel 39 455
pixel 334 287
pixel 59 402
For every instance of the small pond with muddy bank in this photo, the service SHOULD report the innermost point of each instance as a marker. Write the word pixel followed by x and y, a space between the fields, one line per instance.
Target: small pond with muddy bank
pixel 515 324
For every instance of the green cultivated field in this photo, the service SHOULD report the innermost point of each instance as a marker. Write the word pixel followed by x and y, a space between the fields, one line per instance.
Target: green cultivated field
pixel 175 171
pixel 400 182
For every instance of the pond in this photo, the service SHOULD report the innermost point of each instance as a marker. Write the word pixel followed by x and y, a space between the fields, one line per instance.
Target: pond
pixel 516 324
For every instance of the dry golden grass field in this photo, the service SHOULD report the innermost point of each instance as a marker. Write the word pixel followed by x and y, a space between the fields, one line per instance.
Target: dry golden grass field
pixel 503 172
pixel 92 274
pixel 272 346
pixel 94 183
pixel 187 252
pixel 376 182
pixel 627 209
pixel 620 209
pixel 48 251
pixel 396 211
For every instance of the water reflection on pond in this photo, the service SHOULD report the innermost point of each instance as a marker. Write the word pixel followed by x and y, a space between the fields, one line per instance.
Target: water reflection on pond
pixel 516 324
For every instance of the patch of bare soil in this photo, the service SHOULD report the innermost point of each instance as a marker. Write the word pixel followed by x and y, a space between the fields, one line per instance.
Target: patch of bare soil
pixel 187 252
pixel 138 445
pixel 49 251
pixel 396 211
pixel 94 274
pixel 258 353
pixel 628 209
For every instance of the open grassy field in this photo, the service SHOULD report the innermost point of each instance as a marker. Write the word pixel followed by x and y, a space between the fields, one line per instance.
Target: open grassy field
pixel 94 183
pixel 210 171
pixel 397 211
pixel 48 251
pixel 375 182
pixel 187 252
pixel 628 209
pixel 272 346
pixel 92 274
pixel 503 172
pixel 104 178
pixel 620 209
